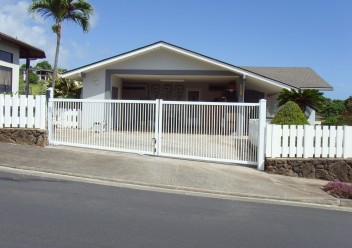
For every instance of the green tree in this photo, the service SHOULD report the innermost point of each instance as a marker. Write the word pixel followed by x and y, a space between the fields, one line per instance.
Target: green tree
pixel 44 65
pixel 332 110
pixel 78 11
pixel 348 104
pixel 309 97
pixel 289 114
pixel 67 88
pixel 33 78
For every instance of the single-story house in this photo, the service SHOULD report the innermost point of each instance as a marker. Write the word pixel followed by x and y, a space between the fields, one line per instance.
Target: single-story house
pixel 11 51
pixel 165 71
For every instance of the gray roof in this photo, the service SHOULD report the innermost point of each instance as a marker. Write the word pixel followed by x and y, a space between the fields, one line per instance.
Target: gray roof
pixel 298 77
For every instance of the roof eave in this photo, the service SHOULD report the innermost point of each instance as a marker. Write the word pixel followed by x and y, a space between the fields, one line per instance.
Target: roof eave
pixel 26 50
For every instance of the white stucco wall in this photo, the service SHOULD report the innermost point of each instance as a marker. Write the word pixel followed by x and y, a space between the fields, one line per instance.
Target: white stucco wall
pixel 94 85
pixel 14 66
pixel 163 59
pixel 271 104
pixel 117 82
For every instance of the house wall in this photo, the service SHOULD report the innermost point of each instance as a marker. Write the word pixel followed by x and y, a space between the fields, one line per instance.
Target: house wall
pixel 116 82
pixel 271 104
pixel 94 85
pixel 163 59
pixel 14 66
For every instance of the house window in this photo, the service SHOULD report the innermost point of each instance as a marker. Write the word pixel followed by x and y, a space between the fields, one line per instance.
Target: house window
pixel 5 79
pixel 6 56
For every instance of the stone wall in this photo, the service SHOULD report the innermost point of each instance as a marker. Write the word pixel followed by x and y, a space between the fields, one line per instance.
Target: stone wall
pixel 326 169
pixel 33 137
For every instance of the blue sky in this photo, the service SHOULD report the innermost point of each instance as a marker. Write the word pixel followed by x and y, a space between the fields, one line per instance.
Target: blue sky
pixel 313 33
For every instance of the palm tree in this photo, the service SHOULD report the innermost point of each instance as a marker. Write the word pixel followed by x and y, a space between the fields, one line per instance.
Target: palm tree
pixel 308 97
pixel 78 12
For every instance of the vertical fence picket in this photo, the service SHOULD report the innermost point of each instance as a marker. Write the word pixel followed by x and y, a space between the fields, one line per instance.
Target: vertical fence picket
pixel 299 144
pixel 37 113
pixel 292 141
pixel 2 114
pixel 30 111
pixel 15 105
pixel 347 142
pixel 276 141
pixel 308 141
pixel 23 111
pixel 325 142
pixel 8 106
pixel 339 140
pixel 285 135
pixel 268 141
pixel 332 142
pixel 42 120
pixel 318 142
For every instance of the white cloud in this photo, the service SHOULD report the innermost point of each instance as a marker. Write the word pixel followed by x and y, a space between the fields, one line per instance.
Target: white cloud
pixel 94 20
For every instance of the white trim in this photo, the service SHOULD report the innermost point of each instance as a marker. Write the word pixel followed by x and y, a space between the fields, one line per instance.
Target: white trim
pixel 181 51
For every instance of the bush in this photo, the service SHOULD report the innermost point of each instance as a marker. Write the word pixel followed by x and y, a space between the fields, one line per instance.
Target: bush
pixel 289 114
pixel 344 120
pixel 339 189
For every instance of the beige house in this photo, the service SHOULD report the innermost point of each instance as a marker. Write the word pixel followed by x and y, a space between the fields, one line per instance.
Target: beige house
pixel 165 71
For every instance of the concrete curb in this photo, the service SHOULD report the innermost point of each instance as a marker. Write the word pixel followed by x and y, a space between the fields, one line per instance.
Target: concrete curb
pixel 319 201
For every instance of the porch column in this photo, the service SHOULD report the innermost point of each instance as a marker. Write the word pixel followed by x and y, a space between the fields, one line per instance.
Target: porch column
pixel 28 62
pixel 240 87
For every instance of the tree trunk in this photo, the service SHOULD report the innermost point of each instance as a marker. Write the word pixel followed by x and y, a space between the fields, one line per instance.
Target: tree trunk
pixel 58 41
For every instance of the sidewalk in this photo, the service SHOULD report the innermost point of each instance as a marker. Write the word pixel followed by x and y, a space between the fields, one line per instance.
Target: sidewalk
pixel 193 176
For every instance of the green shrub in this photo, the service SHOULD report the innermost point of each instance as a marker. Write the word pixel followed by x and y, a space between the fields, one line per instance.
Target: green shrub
pixel 289 114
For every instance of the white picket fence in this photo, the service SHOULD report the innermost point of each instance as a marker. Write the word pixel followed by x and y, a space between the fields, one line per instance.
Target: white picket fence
pixel 308 141
pixel 22 112
pixel 67 118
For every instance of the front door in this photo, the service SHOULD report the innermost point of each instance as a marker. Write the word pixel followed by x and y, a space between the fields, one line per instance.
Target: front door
pixel 193 95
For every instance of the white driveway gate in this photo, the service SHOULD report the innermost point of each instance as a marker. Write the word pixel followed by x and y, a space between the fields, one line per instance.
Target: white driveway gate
pixel 225 132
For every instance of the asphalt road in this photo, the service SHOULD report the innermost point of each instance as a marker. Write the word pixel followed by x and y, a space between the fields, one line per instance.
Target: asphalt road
pixel 40 212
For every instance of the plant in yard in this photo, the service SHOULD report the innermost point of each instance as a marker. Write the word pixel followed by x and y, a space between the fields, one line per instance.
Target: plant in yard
pixel 78 11
pixel 67 88
pixel 289 114
pixel 304 98
pixel 339 189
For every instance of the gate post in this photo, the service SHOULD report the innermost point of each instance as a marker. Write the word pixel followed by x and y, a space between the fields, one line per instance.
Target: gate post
pixel 50 96
pixel 158 125
pixel 261 138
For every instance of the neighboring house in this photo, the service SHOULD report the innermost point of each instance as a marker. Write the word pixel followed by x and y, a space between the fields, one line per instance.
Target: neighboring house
pixel 165 71
pixel 43 75
pixel 11 51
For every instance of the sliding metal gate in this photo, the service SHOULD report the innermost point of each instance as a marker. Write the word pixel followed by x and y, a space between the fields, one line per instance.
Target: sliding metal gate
pixel 226 132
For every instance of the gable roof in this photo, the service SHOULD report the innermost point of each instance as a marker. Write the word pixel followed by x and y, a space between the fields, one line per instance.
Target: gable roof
pixel 26 50
pixel 275 75
pixel 298 77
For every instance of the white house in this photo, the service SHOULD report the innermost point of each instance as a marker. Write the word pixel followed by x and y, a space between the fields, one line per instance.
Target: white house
pixel 11 51
pixel 165 71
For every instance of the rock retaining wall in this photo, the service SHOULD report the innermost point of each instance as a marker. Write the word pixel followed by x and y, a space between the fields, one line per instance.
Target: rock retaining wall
pixel 33 137
pixel 326 169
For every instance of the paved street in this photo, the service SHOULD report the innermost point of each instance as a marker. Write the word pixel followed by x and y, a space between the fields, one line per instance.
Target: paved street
pixel 40 212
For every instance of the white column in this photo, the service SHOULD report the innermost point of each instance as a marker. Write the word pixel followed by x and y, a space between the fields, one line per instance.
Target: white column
pixel 261 138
